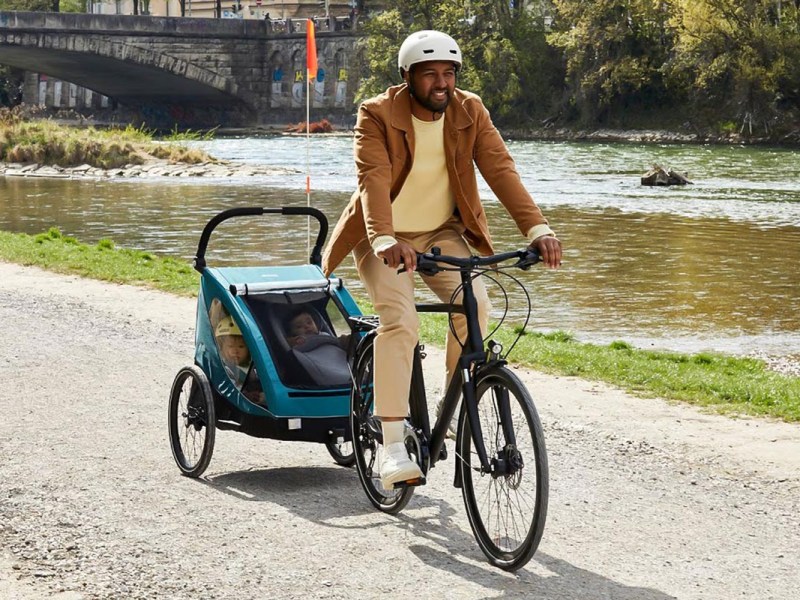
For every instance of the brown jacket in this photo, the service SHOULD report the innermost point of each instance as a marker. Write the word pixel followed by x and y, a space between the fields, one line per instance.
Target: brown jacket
pixel 384 151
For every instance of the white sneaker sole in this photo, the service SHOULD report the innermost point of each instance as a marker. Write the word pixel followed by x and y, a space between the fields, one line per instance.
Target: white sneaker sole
pixel 412 472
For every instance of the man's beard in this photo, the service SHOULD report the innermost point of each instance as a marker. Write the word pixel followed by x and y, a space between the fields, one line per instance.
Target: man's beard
pixel 426 102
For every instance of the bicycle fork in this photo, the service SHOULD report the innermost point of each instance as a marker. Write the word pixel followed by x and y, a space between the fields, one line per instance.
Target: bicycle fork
pixel 505 461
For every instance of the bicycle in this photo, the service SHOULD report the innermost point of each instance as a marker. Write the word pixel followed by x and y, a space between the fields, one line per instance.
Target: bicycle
pixel 501 464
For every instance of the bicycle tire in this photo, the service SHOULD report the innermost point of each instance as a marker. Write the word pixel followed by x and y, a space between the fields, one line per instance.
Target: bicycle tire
pixel 507 539
pixel 192 421
pixel 342 454
pixel 365 441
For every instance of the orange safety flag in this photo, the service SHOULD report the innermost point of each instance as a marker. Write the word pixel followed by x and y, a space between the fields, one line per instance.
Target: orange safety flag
pixel 311 50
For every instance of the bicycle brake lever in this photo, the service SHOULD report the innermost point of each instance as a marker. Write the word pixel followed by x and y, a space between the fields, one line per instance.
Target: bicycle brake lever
pixel 426 266
pixel 400 271
pixel 526 262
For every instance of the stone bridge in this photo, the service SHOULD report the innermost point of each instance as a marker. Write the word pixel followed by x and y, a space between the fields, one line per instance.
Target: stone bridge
pixel 193 72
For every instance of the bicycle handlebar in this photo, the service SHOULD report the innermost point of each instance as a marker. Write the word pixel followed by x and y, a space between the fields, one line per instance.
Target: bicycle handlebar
pixel 429 263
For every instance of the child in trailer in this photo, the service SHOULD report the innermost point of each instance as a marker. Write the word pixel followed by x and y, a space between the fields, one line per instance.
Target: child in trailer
pixel 321 354
pixel 236 360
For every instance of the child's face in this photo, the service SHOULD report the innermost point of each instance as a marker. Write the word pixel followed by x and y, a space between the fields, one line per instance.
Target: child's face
pixel 302 324
pixel 234 349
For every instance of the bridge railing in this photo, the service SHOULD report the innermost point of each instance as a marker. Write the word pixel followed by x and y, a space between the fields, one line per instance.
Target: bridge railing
pixel 320 24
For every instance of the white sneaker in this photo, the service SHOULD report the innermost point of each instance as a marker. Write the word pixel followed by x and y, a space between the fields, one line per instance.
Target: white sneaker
pixel 396 466
pixel 453 425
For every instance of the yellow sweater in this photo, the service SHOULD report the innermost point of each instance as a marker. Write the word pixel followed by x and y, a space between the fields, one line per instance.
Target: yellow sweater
pixel 426 201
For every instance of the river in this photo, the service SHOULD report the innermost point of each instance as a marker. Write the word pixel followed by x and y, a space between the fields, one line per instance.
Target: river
pixel 709 266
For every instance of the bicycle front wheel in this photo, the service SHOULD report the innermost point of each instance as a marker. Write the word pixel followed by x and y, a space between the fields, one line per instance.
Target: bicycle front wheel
pixel 507 508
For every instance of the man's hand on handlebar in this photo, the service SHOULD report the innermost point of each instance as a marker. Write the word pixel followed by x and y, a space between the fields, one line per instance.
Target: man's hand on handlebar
pixel 549 248
pixel 399 254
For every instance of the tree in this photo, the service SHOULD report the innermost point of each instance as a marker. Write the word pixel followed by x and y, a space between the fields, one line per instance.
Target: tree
pixel 511 65
pixel 43 5
pixel 27 5
pixel 738 59
pixel 614 52
pixel 506 58
pixel 10 86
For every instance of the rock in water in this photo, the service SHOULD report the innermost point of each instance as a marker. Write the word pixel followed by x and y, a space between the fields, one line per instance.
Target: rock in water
pixel 658 175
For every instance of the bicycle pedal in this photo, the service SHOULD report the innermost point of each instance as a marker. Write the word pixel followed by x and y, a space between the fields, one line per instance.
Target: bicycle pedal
pixel 410 483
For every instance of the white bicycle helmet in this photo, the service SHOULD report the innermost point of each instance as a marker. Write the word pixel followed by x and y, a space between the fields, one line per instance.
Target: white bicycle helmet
pixel 428 45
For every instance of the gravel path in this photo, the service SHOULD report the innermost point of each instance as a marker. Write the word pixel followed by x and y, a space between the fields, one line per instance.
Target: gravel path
pixel 648 500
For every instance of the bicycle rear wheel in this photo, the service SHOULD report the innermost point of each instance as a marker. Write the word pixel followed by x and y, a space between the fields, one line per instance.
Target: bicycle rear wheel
pixel 507 509
pixel 366 439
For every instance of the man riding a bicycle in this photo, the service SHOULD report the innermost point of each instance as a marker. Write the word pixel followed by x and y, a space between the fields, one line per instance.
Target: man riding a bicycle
pixel 416 147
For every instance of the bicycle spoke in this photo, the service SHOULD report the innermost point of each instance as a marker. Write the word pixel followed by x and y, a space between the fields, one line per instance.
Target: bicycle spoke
pixel 192 421
pixel 506 507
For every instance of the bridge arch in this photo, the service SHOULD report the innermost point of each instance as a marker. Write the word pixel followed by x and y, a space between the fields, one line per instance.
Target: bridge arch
pixel 242 71
pixel 279 74
pixel 137 72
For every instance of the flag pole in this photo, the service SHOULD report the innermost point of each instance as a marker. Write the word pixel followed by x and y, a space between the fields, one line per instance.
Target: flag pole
pixel 308 161
pixel 311 73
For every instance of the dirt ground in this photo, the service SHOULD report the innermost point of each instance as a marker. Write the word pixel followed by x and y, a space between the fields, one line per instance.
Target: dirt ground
pixel 648 500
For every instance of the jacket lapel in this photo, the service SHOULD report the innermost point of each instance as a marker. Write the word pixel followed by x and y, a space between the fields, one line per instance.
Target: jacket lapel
pixel 401 116
pixel 456 118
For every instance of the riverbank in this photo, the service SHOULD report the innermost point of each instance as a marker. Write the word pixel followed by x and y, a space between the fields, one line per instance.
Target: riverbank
pixel 685 134
pixel 45 148
pixel 154 168
pixel 649 136
pixel 212 168
pixel 566 134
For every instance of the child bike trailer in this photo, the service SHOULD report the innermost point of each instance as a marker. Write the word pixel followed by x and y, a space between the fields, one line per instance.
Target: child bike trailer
pixel 271 347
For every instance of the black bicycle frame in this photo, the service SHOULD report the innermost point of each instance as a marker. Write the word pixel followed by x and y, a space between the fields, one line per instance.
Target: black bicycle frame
pixel 473 361
pixel 472 358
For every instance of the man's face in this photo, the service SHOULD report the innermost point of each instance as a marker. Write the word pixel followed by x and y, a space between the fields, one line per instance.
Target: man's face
pixel 302 324
pixel 432 84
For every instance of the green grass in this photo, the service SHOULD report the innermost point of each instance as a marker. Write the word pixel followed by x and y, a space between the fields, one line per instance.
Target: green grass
pixel 723 383
pixel 188 135
pixel 104 261
pixel 45 142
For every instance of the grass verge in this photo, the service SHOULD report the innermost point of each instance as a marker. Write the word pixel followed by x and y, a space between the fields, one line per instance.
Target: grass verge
pixel 45 142
pixel 63 254
pixel 724 383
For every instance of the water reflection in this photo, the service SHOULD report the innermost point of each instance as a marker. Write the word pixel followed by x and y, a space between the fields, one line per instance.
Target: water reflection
pixel 713 266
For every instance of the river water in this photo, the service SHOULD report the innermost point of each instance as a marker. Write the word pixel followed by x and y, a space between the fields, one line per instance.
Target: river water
pixel 710 266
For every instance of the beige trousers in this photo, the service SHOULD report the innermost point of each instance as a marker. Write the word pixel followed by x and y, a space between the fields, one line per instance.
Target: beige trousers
pixel 392 294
